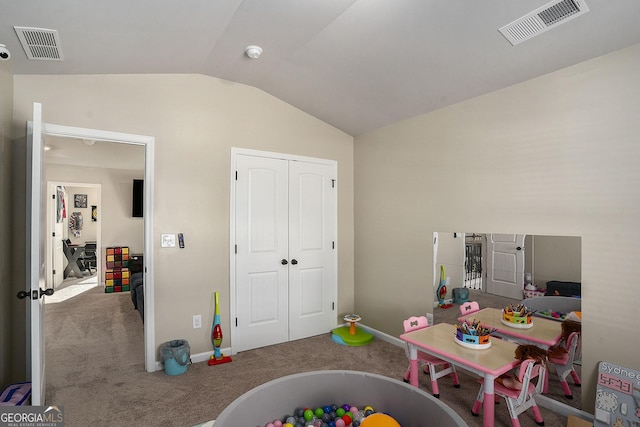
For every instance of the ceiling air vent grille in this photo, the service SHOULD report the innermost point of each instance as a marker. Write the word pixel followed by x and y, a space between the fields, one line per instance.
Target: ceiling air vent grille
pixel 40 43
pixel 543 19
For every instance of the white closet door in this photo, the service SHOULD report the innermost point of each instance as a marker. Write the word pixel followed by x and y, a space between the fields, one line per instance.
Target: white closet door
pixel 262 243
pixel 285 267
pixel 312 265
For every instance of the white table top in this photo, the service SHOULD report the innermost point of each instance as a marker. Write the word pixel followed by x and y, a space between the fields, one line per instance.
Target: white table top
pixel 439 340
pixel 543 332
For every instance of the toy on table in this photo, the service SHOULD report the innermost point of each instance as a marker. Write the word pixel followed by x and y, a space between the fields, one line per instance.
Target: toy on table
pixel 217 357
pixel 517 316
pixel 473 334
pixel 351 335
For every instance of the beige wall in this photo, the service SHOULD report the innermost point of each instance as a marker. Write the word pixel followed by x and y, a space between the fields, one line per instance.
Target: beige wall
pixel 451 256
pixel 557 155
pixel 195 121
pixel 7 298
pixel 119 228
pixel 553 258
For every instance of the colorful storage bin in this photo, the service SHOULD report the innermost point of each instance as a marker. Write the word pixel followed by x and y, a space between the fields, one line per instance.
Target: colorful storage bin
pixel 117 275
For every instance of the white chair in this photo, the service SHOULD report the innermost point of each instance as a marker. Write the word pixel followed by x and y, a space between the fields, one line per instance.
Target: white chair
pixel 519 400
pixel 469 307
pixel 563 364
pixel 412 324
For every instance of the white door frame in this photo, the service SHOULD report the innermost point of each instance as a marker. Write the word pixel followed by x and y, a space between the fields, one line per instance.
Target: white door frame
pixel 232 223
pixel 148 142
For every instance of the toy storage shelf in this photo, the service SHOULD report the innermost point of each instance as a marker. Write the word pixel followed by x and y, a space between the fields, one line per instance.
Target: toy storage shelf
pixel 116 274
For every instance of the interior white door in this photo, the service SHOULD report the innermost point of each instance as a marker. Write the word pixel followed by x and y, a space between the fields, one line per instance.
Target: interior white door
pixel 36 208
pixel 285 250
pixel 312 231
pixel 262 257
pixel 505 265
pixel 57 236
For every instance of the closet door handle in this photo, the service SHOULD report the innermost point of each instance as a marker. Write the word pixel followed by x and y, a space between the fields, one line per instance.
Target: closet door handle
pixel 294 261
pixel 284 262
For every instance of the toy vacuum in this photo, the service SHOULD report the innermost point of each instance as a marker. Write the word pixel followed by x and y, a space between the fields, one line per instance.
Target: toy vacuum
pixel 442 289
pixel 217 357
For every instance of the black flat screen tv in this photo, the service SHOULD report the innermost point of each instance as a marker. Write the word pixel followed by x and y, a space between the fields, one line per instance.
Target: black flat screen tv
pixel 138 198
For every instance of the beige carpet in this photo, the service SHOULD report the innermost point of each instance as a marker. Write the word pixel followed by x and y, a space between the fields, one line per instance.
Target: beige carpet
pixel 95 369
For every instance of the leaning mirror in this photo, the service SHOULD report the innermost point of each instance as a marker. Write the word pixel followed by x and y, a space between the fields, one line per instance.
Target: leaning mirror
pixel 500 270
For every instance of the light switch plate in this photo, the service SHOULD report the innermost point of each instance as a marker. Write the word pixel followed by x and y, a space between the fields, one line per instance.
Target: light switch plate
pixel 168 241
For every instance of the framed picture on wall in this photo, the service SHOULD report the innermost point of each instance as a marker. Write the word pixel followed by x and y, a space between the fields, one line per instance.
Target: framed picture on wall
pixel 79 200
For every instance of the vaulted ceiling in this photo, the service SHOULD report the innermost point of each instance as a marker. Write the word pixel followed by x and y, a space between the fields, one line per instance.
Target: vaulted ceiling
pixel 358 65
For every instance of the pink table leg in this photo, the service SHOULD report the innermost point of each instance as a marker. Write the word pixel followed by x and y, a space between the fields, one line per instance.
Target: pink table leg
pixel 489 402
pixel 413 366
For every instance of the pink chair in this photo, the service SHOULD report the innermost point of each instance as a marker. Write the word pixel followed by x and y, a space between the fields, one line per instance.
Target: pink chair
pixel 519 401
pixel 563 365
pixel 469 307
pixel 412 324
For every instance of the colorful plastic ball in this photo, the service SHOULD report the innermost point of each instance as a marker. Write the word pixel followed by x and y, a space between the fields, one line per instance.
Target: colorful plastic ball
pixel 277 423
pixel 340 422
pixel 326 409
pixel 346 407
pixel 353 410
pixel 340 412
pixel 287 425
pixel 333 415
pixel 326 417
pixel 347 419
pixel 379 420
pixel 269 425
pixel 308 414
pixel 319 412
pixel 334 407
pixel 332 423
pixel 369 408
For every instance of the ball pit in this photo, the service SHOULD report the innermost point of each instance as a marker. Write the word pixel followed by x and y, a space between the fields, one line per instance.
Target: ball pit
pixel 354 394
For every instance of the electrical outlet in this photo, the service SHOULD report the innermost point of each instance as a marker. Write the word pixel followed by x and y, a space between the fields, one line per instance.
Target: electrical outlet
pixel 430 318
pixel 448 281
pixel 197 321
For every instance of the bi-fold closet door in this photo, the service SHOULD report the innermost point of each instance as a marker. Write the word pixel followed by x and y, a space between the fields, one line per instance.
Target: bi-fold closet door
pixel 285 250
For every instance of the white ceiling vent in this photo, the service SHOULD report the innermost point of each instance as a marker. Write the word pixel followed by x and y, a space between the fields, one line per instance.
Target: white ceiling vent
pixel 40 43
pixel 543 19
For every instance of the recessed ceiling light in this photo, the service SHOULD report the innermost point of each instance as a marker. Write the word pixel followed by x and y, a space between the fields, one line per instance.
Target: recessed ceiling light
pixel 253 52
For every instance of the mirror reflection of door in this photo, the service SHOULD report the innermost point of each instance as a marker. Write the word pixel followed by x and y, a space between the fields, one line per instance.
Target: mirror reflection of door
pixel 505 265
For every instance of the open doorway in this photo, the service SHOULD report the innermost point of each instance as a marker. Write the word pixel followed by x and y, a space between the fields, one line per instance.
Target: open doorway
pixel 68 144
pixel 74 236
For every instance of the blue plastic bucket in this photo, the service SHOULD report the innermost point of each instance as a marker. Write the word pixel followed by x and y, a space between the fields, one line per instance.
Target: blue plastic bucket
pixel 176 356
pixel 460 295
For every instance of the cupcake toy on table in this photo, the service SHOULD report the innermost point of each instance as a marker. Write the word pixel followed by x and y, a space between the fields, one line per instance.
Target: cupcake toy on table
pixel 517 316
pixel 472 334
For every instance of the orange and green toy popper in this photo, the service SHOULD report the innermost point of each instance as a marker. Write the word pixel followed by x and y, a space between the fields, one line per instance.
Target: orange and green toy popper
pixel 216 338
